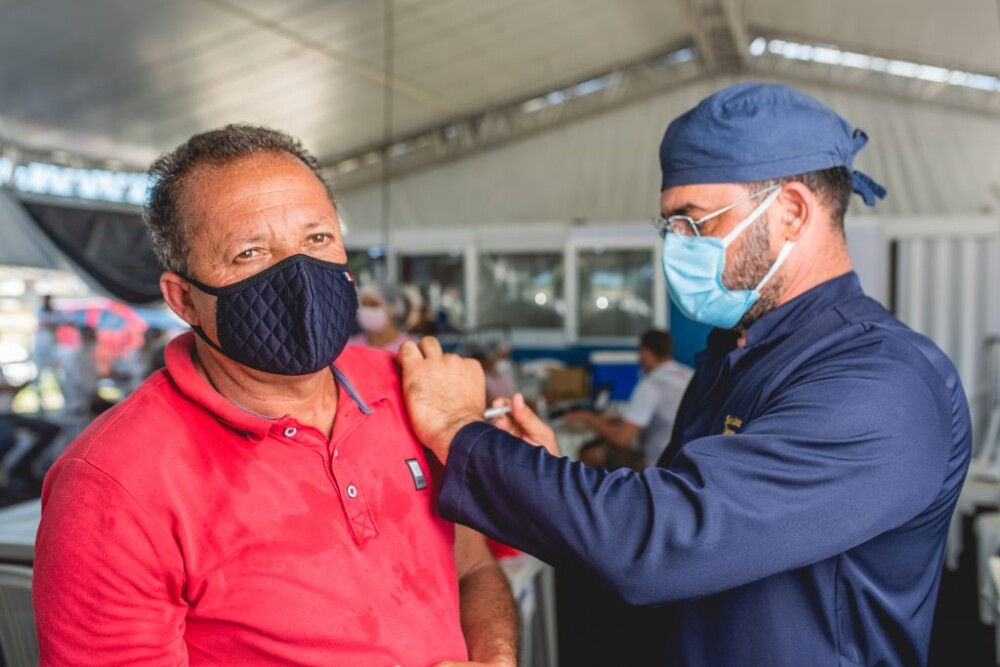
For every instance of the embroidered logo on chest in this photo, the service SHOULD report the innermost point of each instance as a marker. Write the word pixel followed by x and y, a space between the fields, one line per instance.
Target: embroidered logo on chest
pixel 732 425
pixel 419 480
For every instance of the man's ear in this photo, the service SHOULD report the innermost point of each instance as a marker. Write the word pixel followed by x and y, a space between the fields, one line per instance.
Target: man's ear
pixel 177 293
pixel 798 209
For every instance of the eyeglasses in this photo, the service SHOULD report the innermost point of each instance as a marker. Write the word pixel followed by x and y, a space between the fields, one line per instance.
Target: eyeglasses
pixel 685 225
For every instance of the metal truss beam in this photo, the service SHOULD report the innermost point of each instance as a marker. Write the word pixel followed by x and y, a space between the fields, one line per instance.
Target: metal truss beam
pixel 496 126
pixel 879 83
pixel 719 29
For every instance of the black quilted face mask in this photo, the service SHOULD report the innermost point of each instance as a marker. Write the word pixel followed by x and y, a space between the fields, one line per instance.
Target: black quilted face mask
pixel 292 318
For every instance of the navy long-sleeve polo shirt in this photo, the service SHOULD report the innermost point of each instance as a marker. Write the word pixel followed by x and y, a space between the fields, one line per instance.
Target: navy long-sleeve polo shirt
pixel 798 516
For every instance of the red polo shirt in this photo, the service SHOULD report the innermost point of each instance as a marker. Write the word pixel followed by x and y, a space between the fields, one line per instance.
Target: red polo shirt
pixel 181 529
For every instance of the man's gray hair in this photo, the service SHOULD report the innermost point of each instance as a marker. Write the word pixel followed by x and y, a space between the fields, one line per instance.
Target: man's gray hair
pixel 216 148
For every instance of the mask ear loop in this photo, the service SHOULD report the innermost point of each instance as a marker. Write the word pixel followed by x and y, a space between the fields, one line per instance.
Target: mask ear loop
pixel 786 250
pixel 757 212
pixel 211 291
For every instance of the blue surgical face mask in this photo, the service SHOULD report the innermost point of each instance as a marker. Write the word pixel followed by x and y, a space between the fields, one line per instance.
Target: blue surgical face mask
pixel 694 266
pixel 292 318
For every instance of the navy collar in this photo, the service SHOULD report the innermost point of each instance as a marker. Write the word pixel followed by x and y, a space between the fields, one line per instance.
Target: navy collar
pixel 783 320
pixel 797 312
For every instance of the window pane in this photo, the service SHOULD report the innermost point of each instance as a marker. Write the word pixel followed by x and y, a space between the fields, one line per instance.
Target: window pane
pixel 616 292
pixel 521 290
pixel 441 279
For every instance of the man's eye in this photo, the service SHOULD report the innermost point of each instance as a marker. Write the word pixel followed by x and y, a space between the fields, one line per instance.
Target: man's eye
pixel 320 238
pixel 247 254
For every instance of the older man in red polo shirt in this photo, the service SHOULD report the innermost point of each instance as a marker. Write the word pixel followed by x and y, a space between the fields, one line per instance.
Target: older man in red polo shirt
pixel 263 500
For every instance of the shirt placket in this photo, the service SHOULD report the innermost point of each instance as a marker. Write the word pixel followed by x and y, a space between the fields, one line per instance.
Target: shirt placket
pixel 348 483
pixel 344 477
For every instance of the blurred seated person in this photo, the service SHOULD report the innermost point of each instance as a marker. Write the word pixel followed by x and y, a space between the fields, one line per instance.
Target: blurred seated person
pixel 382 309
pixel 650 412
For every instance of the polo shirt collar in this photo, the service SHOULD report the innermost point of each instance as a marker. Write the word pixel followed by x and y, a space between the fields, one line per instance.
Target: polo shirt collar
pixel 190 382
pixel 369 373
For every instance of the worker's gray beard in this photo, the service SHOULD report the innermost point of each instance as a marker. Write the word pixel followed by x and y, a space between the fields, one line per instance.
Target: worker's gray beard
pixel 750 267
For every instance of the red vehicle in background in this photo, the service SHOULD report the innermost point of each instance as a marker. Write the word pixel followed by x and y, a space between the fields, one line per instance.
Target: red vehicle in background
pixel 119 328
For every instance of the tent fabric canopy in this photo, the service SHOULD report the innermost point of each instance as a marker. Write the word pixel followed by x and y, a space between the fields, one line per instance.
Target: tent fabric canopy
pixel 110 249
pixel 932 160
pixel 24 244
pixel 129 80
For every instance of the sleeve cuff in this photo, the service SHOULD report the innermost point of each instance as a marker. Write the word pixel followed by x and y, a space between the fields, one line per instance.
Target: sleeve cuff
pixel 456 471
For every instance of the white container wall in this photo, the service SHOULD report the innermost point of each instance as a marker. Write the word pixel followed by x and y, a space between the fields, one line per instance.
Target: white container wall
pixel 947 287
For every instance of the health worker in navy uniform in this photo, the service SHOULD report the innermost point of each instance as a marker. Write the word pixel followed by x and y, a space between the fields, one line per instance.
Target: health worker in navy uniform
pixel 799 514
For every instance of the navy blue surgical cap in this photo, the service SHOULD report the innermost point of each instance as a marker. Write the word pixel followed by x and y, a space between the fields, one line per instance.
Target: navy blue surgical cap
pixel 759 132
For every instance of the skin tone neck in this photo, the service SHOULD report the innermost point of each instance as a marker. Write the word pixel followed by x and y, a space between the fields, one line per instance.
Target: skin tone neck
pixel 797 215
pixel 311 399
pixel 242 218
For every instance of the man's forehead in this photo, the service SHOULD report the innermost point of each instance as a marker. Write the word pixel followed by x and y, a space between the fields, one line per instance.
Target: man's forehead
pixel 255 180
pixel 258 169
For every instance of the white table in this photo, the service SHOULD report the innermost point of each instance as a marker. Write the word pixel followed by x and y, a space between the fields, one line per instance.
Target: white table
pixel 18 526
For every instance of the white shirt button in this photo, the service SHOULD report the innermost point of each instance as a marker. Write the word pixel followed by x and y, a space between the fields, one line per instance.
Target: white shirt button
pixel 352 491
pixel 291 431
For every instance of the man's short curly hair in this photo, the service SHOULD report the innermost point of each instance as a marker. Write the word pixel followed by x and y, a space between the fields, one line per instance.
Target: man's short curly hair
pixel 832 186
pixel 217 148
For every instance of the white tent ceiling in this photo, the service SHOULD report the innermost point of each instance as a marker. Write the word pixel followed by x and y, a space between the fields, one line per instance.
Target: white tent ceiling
pixel 127 79
pixel 962 33
pixel 131 78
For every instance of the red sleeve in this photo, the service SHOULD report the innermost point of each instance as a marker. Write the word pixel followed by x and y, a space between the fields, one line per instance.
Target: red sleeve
pixel 108 580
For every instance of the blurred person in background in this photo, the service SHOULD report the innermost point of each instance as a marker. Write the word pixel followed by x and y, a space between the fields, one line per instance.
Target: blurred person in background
pixel 649 414
pixel 415 300
pixel 44 351
pixel 144 360
pixel 383 309
pixel 80 375
pixel 500 381
pixel 433 320
pixel 422 322
pixel 499 384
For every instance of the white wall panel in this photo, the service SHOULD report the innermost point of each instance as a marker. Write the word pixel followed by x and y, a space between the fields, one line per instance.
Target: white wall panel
pixel 949 288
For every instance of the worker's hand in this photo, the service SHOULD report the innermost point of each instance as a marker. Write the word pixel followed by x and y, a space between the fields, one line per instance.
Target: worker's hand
pixel 443 393
pixel 523 423
pixel 575 418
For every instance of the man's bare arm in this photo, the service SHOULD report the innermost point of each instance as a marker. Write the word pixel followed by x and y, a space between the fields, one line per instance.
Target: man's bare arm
pixel 489 618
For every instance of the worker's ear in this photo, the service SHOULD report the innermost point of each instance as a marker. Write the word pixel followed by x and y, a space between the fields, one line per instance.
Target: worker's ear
pixel 177 293
pixel 797 206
